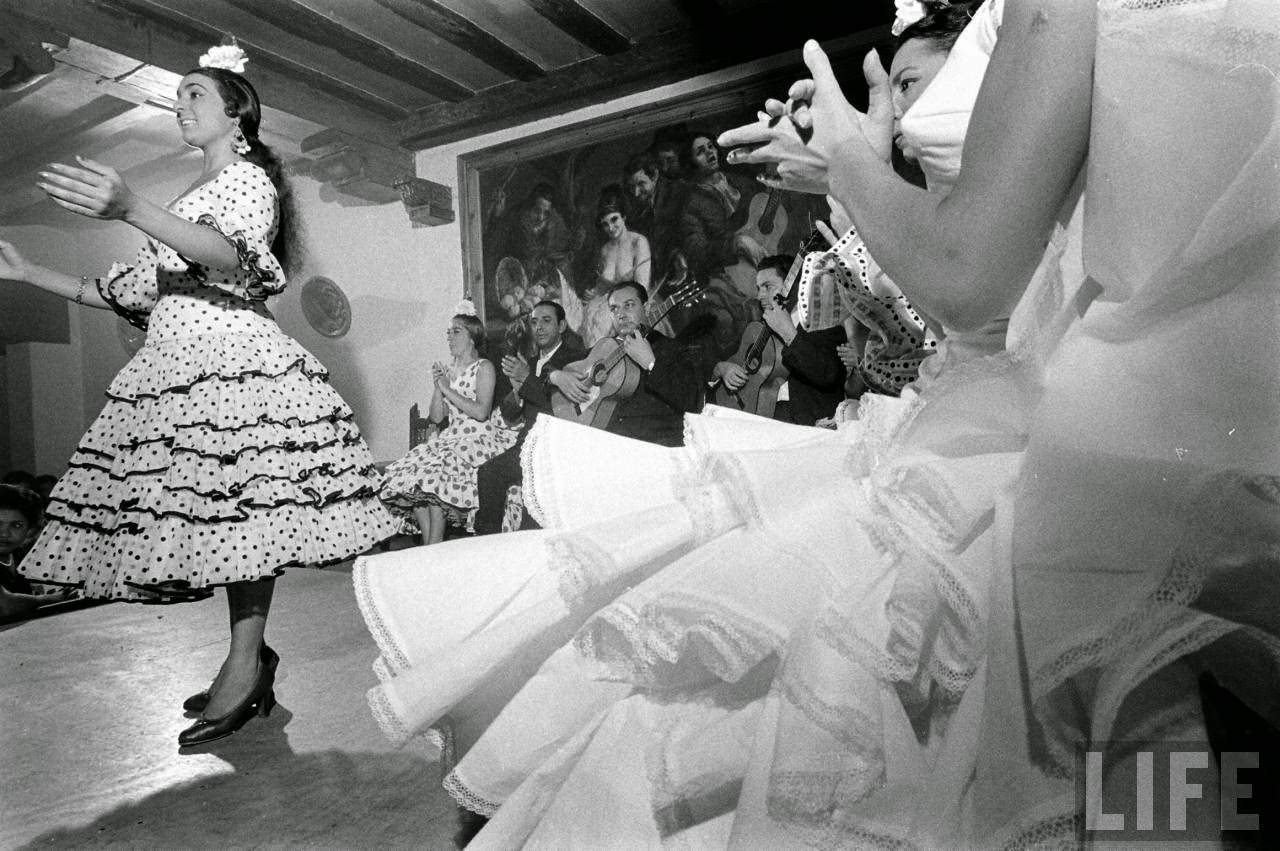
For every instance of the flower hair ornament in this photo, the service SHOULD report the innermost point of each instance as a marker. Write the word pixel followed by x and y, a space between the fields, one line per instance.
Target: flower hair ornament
pixel 909 12
pixel 466 307
pixel 229 57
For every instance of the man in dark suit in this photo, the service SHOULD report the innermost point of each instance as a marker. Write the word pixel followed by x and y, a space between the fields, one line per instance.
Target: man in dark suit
pixel 656 205
pixel 530 395
pixel 669 384
pixel 816 376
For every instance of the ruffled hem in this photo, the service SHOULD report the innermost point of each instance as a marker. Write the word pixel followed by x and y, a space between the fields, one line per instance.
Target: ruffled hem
pixel 172 558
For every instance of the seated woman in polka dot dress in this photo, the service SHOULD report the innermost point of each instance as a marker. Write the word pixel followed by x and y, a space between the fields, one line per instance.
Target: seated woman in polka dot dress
pixel 436 481
pixel 222 456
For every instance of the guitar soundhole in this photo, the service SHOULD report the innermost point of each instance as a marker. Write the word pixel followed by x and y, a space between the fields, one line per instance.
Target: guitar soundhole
pixel 598 373
pixel 753 365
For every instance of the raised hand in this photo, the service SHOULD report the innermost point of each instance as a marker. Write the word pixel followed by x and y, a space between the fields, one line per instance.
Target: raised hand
pixel 778 320
pixel 515 368
pixel 816 105
pixel 639 350
pixel 93 190
pixel 12 264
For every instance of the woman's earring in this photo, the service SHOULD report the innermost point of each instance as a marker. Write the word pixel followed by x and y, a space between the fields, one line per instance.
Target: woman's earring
pixel 239 143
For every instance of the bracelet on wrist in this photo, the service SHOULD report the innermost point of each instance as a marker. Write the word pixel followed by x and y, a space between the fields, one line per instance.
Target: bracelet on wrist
pixel 84 282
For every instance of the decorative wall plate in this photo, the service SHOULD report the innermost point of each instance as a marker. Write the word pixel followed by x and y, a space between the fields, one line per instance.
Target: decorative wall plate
pixel 326 307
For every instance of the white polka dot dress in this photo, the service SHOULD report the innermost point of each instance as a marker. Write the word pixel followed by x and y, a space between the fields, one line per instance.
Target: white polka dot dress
pixel 222 454
pixel 442 471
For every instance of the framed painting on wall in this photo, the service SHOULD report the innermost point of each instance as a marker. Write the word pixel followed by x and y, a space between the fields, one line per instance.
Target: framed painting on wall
pixel 644 195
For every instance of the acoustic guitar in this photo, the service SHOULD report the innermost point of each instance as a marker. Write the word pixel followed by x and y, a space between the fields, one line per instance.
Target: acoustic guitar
pixel 613 375
pixel 766 221
pixel 760 351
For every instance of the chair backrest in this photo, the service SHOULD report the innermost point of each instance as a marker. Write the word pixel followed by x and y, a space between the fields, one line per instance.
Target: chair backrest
pixel 420 427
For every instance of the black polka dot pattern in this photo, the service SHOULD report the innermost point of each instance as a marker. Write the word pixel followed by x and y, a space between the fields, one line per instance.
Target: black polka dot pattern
pixel 223 454
pixel 442 471
pixel 898 340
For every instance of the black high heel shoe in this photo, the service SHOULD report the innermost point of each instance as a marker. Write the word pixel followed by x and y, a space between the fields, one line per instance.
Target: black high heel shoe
pixel 260 700
pixel 198 701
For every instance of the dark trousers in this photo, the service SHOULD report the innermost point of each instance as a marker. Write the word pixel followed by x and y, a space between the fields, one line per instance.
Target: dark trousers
pixel 493 477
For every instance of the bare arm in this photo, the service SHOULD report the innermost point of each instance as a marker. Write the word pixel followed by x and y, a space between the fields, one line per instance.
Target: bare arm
pixel 97 191
pixel 15 267
pixel 479 407
pixel 968 257
pixel 643 262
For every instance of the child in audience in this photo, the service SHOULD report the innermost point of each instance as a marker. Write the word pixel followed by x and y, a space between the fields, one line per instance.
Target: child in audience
pixel 19 524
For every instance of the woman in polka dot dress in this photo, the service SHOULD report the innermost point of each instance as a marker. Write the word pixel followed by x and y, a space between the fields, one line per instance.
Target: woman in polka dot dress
pixel 436 481
pixel 222 456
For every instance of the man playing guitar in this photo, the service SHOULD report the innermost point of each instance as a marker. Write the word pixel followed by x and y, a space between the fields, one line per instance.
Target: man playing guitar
pixel 814 374
pixel 668 385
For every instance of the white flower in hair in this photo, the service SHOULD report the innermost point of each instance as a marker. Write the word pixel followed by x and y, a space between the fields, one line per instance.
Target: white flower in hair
pixel 228 57
pixel 466 307
pixel 909 11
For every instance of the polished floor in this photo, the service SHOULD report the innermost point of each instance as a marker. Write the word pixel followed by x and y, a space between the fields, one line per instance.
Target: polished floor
pixel 90 713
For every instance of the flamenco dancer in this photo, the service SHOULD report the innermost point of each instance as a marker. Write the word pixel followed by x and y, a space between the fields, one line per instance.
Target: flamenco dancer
pixel 223 456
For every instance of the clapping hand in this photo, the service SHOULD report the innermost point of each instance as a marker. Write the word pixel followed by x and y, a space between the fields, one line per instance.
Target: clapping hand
pixel 848 356
pixel 440 375
pixel 516 368
pixel 94 190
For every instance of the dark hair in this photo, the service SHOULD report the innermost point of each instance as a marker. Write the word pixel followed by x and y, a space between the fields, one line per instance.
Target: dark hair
pixel 644 161
pixel 629 285
pixel 541 190
pixel 21 478
pixel 554 305
pixel 612 200
pixel 781 262
pixel 240 101
pixel 942 24
pixel 22 500
pixel 686 150
pixel 475 330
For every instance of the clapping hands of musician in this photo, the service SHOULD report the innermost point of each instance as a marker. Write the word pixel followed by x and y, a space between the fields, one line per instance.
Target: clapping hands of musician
pixel 639 350
pixel 730 374
pixel 800 135
pixel 575 387
pixel 848 356
pixel 516 368
pixel 778 320
pixel 93 190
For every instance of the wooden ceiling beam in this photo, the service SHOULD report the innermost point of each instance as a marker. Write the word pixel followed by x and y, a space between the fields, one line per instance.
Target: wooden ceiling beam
pixel 263 57
pixel 583 25
pixel 137 30
pixel 301 21
pixel 460 32
pixel 665 58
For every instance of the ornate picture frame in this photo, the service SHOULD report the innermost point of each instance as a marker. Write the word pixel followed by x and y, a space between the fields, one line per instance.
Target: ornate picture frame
pixel 531 209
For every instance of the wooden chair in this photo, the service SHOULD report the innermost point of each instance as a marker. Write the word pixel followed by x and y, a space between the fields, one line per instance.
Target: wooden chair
pixel 420 428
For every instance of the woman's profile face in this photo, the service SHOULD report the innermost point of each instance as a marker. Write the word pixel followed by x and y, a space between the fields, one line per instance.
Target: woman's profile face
pixel 914 66
pixel 459 339
pixel 202 116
